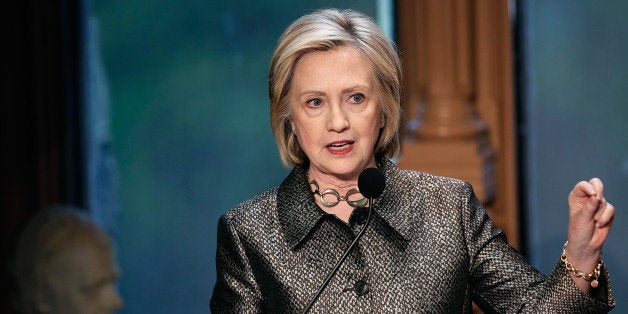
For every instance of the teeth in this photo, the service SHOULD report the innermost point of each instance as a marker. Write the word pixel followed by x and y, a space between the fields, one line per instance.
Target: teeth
pixel 339 145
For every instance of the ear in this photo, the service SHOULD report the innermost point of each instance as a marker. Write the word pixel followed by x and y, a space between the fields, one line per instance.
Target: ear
pixel 382 121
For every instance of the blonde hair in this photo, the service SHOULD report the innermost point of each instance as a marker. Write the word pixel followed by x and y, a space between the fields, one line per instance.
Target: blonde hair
pixel 49 234
pixel 321 31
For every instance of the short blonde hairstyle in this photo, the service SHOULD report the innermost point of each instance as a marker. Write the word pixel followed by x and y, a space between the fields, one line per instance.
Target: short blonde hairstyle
pixel 324 30
pixel 49 234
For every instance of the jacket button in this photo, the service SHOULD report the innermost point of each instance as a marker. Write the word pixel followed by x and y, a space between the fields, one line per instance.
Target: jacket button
pixel 360 287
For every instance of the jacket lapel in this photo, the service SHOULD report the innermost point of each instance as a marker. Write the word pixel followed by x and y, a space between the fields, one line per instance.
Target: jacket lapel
pixel 297 211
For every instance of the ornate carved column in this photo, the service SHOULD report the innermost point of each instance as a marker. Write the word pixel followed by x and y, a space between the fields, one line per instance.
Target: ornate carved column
pixel 447 138
pixel 458 98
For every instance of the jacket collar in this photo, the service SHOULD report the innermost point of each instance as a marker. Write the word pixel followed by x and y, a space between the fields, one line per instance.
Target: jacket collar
pixel 298 212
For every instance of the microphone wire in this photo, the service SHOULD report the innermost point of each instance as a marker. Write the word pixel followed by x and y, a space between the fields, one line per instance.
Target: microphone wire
pixel 342 259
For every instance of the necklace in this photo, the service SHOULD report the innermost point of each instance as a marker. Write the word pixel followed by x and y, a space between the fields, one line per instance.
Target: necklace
pixel 357 203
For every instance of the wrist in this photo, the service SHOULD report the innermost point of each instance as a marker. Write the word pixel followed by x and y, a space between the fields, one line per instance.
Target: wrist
pixel 592 261
pixel 582 257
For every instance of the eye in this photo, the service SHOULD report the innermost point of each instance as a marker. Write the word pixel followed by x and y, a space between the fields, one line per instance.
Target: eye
pixel 356 98
pixel 316 102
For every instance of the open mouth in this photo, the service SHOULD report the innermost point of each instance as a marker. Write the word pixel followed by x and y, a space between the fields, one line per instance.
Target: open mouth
pixel 340 147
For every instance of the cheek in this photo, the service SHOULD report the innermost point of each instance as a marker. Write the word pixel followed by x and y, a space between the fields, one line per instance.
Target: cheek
pixel 368 127
pixel 308 139
pixel 308 130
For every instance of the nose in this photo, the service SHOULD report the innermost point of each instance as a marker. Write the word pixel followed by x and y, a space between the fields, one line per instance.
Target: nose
pixel 337 120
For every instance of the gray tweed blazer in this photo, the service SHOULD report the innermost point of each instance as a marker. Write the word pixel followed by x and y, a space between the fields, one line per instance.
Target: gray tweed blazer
pixel 430 248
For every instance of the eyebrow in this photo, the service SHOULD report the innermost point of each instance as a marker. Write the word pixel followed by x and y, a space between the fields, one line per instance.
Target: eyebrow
pixel 356 87
pixel 344 90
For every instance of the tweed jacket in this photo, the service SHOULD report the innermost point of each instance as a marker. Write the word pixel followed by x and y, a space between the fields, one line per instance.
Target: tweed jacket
pixel 430 248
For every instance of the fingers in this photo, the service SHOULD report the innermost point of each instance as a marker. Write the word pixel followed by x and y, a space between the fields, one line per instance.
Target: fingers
pixel 605 214
pixel 591 216
pixel 600 210
pixel 587 198
pixel 591 207
pixel 593 187
pixel 598 188
pixel 597 203
pixel 585 189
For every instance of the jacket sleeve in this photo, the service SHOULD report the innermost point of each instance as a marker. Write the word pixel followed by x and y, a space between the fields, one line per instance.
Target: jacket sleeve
pixel 236 290
pixel 502 281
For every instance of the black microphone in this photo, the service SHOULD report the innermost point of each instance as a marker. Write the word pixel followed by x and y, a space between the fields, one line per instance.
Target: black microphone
pixel 371 184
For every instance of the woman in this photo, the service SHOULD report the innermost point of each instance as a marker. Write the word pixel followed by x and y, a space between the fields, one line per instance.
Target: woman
pixel 335 110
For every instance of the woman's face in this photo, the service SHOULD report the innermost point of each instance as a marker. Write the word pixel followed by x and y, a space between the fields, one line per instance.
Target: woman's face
pixel 335 111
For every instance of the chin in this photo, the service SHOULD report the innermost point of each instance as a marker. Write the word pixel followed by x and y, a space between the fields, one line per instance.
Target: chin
pixel 344 170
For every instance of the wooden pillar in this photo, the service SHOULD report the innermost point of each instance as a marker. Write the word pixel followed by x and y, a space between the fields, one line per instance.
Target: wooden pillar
pixel 494 78
pixel 448 138
pixel 458 98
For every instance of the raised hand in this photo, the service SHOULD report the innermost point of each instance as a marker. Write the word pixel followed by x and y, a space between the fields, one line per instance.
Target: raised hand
pixel 590 220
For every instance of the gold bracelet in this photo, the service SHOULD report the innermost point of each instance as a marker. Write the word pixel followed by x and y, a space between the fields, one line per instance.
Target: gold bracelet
pixel 593 276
